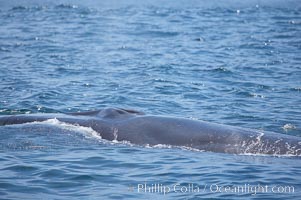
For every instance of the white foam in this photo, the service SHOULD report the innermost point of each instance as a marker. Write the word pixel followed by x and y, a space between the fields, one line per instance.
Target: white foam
pixel 288 127
pixel 159 146
pixel 167 146
pixel 87 131
pixel 269 155
pixel 115 134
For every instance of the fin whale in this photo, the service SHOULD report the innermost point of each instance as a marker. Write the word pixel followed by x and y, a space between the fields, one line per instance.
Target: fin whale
pixel 138 128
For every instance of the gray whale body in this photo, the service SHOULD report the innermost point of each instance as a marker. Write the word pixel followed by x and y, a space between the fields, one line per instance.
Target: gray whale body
pixel 138 128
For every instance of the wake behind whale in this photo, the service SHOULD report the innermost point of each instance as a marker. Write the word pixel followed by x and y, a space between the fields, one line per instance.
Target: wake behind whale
pixel 123 125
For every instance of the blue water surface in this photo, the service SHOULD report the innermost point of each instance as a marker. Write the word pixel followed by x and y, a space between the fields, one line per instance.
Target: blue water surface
pixel 228 62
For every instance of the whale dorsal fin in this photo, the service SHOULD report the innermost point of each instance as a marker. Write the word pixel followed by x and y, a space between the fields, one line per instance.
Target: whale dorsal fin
pixel 108 112
pixel 114 113
pixel 87 113
pixel 133 111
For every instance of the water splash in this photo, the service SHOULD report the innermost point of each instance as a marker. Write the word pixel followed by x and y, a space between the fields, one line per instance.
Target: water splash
pixel 288 127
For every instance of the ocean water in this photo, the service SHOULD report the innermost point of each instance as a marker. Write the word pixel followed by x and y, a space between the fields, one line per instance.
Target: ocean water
pixel 229 62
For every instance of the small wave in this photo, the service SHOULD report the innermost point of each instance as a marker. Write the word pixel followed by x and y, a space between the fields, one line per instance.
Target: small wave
pixel 255 95
pixel 67 6
pixel 4 49
pixel 294 22
pixel 297 89
pixel 250 94
pixel 221 69
pixel 15 8
pixel 21 8
pixel 158 33
pixel 82 178
pixel 14 111
pixel 20 168
pixel 216 70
